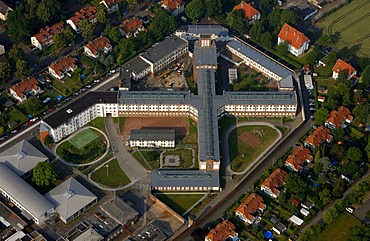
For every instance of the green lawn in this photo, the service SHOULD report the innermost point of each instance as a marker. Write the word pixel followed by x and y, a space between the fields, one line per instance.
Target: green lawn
pixel 192 137
pixel 338 229
pixel 179 202
pixel 99 122
pixel 185 157
pixel 121 123
pixel 111 176
pixel 68 85
pixel 351 23
pixel 252 81
pixel 325 71
pixel 242 154
pixel 151 157
pixel 141 160
pixel 328 83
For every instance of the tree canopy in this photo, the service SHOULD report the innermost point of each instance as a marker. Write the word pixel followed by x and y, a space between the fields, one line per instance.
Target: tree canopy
pixel 321 115
pixel 87 29
pixel 19 28
pixel 49 10
pixel 195 9
pixel 235 20
pixel 44 174
pixel 163 24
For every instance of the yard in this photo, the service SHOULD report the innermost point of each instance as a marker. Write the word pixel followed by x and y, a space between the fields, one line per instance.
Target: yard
pixel 99 122
pixel 148 159
pixel 192 137
pixel 111 175
pixel 338 229
pixel 179 203
pixel 247 143
pixel 12 115
pixel 250 80
pixel 186 157
pixel 350 23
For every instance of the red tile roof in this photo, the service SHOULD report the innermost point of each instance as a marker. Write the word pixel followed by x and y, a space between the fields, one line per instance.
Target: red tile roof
pixel 25 86
pixel 319 136
pixel 338 117
pixel 292 36
pixel 275 180
pixel 249 10
pixel 110 3
pixel 84 13
pixel 222 231
pixel 342 65
pixel 298 157
pixel 173 4
pixel 131 25
pixel 98 44
pixel 48 32
pixel 62 64
pixel 250 206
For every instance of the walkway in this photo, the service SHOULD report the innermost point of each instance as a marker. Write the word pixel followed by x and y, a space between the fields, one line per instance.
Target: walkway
pixel 225 145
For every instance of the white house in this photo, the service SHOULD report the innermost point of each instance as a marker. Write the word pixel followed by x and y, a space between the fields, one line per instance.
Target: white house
pixel 131 27
pixel 175 7
pixel 297 42
pixel 45 37
pixel 84 13
pixel 100 44
pixel 272 183
pixel 24 89
pixel 111 5
pixel 249 210
pixel 60 68
pixel 341 65
pixel 250 13
pixel 4 10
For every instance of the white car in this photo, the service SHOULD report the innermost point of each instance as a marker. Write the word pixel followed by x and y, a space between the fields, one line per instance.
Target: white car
pixel 350 210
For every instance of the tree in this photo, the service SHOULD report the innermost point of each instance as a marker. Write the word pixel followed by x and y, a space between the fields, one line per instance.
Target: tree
pixel 48 140
pixel 332 57
pixel 115 35
pixel 338 151
pixel 324 40
pixel 144 38
pixel 313 56
pixel 101 14
pixel 359 232
pixel 338 187
pixel 266 6
pixel 44 174
pixel 235 20
pixel 338 134
pixel 195 9
pixel 343 89
pixel 274 19
pixel 16 53
pixel 5 70
pixel 323 165
pixel 324 196
pixel 22 68
pixel 62 39
pixel 87 29
pixel 365 76
pixel 321 115
pixel 282 49
pixel 294 184
pixel 211 7
pixel 19 28
pixel 34 105
pixel 354 154
pixel 361 112
pixel 289 17
pixel 330 215
pixel 267 40
pixel 163 24
pixel 49 10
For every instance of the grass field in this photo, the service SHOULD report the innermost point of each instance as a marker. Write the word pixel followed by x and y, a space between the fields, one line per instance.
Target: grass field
pixel 338 229
pixel 351 22
pixel 241 153
pixel 83 138
pixel 192 137
pixel 113 177
pixel 99 123
pixel 151 157
pixel 185 157
pixel 179 202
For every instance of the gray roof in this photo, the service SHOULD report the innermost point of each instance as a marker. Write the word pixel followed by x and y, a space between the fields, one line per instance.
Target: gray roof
pixel 279 226
pixel 23 193
pixel 22 157
pixel 184 178
pixel 205 55
pixel 135 65
pixel 207 29
pixel 70 197
pixel 153 135
pixel 119 210
pixel 81 232
pixel 164 48
pixel 260 98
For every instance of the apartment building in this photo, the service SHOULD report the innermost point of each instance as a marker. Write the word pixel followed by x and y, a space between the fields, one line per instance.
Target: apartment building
pixel 339 118
pixel 131 27
pixel 111 5
pixel 175 7
pixel 341 65
pixel 300 156
pixel 251 14
pixel 250 209
pixel 318 137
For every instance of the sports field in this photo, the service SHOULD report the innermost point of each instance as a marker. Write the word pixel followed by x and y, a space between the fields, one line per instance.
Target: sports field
pixel 351 22
pixel 83 138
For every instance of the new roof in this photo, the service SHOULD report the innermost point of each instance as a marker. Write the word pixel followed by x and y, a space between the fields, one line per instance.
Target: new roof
pixel 119 210
pixel 319 136
pixel 62 64
pixel 25 86
pixel 152 135
pixel 97 44
pixel 248 10
pixel 250 205
pixel 222 231
pixel 69 197
pixel 22 157
pixel 292 36
pixel 184 178
pixel 342 65
pixel 48 32
pixel 337 118
pixel 275 180
pixel 172 5
pixel 23 193
pixel 298 157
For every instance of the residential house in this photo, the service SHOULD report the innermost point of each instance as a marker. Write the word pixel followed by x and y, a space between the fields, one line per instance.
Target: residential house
pixel 2 49
pixel 318 137
pixel 297 41
pixel 24 89
pixel 307 204
pixel 61 67
pixel 175 7
pixel 250 13
pixel 85 13
pixel 341 65
pixel 272 183
pixel 100 44
pixel 339 118
pixel 279 228
pixel 45 37
pixel 4 10
pixel 111 5
pixel 222 232
pixel 249 210
pixel 298 158
pixel 131 27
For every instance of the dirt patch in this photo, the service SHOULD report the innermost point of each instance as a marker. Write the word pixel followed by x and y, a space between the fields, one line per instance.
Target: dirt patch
pixel 179 124
pixel 250 139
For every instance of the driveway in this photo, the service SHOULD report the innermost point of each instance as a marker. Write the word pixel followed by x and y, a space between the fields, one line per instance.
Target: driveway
pixel 360 212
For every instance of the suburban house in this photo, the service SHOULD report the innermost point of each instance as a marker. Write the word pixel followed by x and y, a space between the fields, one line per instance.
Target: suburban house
pixel 339 118
pixel 4 10
pixel 61 67
pixel 100 44
pixel 45 37
pixel 85 13
pixel 298 158
pixel 273 182
pixel 223 231
pixel 250 209
pixel 250 13
pixel 175 7
pixel 131 27
pixel 111 5
pixel 318 137
pixel 24 89
pixel 297 41
pixel 341 65
pixel 279 228
pixel 2 49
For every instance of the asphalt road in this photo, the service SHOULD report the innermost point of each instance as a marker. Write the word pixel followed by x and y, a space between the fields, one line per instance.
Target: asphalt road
pixel 224 200
pixel 360 212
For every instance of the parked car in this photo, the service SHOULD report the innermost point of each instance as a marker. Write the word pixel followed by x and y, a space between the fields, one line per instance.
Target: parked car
pixel 350 209
pixel 13 131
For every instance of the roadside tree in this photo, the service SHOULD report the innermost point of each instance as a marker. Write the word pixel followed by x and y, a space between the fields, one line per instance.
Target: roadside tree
pixel 321 115
pixel 5 71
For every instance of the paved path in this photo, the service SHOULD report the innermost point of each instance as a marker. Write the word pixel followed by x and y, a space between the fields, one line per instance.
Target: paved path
pixel 225 144
pixel 133 169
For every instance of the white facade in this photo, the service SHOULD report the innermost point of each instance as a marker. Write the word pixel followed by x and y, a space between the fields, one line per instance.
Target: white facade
pixel 105 50
pixel 36 43
pixel 77 28
pixel 110 9
pixel 151 144
pixel 177 11
pixel 33 92
pixel 269 192
pixel 63 73
pixel 195 188
pixel 296 52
